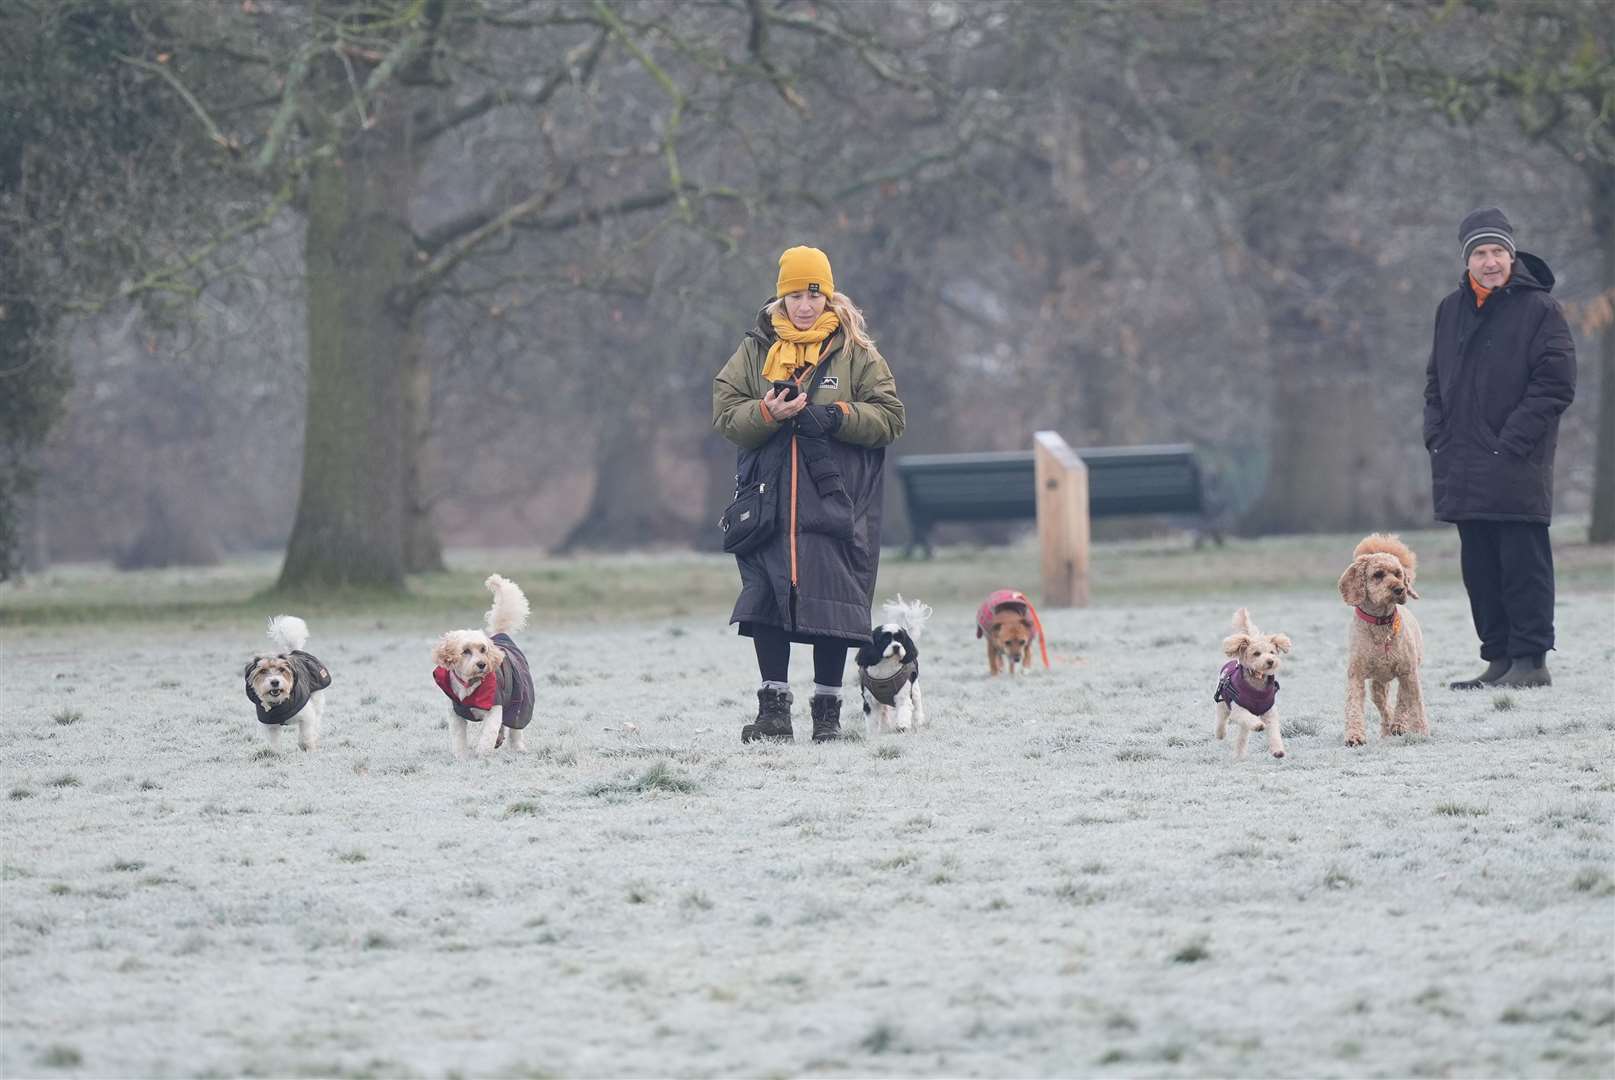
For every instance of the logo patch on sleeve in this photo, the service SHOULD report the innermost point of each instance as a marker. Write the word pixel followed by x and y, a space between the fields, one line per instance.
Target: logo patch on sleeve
pixel 831 382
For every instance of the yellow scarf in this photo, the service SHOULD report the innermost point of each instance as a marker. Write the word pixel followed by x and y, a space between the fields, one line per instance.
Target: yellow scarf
pixel 795 349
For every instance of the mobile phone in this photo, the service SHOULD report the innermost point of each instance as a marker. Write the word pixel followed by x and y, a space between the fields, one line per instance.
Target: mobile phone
pixel 787 387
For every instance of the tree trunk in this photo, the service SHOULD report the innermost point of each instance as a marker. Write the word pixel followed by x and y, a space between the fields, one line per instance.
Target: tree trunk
pixel 36 535
pixel 1314 450
pixel 349 528
pixel 626 509
pixel 423 551
pixel 1603 523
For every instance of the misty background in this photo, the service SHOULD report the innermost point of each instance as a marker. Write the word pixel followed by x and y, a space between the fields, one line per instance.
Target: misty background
pixel 367 279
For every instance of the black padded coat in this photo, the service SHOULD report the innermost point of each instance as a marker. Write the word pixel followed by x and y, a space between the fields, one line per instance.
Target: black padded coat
pixel 1497 381
pixel 815 578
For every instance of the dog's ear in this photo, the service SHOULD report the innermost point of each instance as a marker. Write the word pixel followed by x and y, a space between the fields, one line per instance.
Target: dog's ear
pixel 1234 644
pixel 911 651
pixel 1351 582
pixel 496 656
pixel 251 664
pixel 443 653
pixel 868 655
pixel 1281 642
pixel 1407 576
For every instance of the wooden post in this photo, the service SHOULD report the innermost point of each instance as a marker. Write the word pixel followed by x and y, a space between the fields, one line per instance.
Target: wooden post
pixel 1062 520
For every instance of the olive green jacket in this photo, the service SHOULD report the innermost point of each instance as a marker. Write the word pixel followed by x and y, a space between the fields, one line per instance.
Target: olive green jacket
pixel 856 375
pixel 815 578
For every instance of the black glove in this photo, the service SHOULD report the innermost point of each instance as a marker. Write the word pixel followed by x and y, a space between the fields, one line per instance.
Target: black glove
pixel 819 421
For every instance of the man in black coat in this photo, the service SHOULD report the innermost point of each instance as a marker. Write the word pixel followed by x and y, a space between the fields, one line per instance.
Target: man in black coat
pixel 1502 369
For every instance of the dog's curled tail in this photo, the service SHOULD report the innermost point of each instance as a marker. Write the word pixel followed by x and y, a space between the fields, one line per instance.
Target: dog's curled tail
pixel 509 611
pixel 288 632
pixel 1242 621
pixel 911 615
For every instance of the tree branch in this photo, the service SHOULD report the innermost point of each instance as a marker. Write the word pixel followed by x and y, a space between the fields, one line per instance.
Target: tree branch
pixel 452 255
pixel 280 123
pixel 757 44
pixel 675 174
pixel 883 68
pixel 525 215
pixel 401 54
pixel 170 277
pixel 213 132
pixel 578 65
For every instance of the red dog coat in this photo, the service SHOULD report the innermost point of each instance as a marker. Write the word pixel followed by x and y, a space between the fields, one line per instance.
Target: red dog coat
pixel 1016 599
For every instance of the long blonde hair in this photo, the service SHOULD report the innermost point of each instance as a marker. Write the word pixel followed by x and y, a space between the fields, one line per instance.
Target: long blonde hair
pixel 852 319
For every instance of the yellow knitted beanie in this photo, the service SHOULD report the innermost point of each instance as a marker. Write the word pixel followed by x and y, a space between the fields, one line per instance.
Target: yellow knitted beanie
pixel 805 269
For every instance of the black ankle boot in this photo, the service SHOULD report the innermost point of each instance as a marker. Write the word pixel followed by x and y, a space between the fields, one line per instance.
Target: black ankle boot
pixel 1526 672
pixel 826 717
pixel 773 718
pixel 1495 669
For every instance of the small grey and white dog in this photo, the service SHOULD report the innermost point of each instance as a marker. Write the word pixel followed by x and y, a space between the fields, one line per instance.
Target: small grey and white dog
pixel 288 684
pixel 889 669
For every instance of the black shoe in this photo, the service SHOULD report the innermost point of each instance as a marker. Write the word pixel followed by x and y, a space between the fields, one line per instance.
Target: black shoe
pixel 1495 669
pixel 826 717
pixel 773 718
pixel 1526 672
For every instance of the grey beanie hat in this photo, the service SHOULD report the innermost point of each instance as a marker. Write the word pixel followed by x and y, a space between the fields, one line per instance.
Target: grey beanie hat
pixel 1485 226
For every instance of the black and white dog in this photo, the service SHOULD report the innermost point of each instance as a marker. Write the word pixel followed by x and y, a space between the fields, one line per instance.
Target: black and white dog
pixel 889 669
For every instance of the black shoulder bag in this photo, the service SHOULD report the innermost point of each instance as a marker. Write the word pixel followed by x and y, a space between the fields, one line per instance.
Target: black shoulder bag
pixel 751 520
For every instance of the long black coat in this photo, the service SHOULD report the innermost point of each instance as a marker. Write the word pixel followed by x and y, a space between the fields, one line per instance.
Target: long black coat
pixel 1498 379
pixel 816 577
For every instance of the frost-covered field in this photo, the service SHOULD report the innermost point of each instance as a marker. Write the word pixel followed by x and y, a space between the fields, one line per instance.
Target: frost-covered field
pixel 1066 875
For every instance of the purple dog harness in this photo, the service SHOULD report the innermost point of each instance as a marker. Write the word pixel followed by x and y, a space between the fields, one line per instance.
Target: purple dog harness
pixel 1233 688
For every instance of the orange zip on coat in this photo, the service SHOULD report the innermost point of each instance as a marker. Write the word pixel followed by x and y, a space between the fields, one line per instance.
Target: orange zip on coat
pixel 793 509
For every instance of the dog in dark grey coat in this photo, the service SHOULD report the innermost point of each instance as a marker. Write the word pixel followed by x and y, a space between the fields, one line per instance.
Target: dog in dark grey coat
pixel 288 684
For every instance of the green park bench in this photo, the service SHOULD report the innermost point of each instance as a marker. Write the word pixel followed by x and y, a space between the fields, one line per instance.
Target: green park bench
pixel 998 486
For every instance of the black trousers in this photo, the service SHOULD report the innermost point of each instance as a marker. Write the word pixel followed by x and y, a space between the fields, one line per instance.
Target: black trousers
pixel 1508 573
pixel 773 647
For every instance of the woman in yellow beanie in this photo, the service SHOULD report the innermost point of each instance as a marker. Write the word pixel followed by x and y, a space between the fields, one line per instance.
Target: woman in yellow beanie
pixel 812 405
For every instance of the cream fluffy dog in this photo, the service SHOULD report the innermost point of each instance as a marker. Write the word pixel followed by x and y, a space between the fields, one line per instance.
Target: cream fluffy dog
pixel 1384 641
pixel 486 676
pixel 1248 685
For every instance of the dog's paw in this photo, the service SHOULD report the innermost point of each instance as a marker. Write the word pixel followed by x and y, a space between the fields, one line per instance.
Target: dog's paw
pixel 1278 753
pixel 1355 740
pixel 1259 726
pixel 1396 729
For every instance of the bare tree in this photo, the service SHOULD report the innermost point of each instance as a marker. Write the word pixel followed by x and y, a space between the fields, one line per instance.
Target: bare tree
pixel 334 112
pixel 86 164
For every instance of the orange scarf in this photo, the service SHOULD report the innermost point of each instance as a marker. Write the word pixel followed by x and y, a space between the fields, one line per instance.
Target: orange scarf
pixel 793 349
pixel 1481 292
